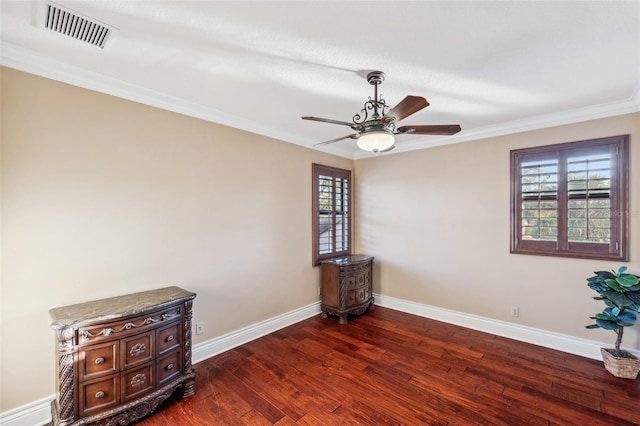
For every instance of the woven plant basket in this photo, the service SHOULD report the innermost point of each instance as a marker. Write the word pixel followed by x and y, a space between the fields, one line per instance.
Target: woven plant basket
pixel 625 368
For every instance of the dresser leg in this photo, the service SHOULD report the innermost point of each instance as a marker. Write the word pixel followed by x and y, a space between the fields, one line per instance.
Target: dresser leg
pixel 189 388
pixel 343 319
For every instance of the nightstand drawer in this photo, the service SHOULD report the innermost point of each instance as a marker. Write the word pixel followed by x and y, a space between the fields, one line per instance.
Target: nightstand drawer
pixel 363 294
pixel 355 268
pixel 351 298
pixel 98 360
pixel 352 282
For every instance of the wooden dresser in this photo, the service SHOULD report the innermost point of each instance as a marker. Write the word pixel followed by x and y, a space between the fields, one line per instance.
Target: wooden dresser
pixel 119 358
pixel 347 286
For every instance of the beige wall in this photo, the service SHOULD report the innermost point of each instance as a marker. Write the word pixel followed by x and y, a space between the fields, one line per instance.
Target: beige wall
pixel 437 221
pixel 102 197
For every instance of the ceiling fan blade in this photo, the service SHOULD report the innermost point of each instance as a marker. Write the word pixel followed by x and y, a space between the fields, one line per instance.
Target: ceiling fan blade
pixel 436 129
pixel 406 107
pixel 353 136
pixel 328 120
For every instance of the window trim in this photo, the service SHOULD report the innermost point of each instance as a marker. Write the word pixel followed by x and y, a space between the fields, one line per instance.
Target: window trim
pixel 334 172
pixel 619 244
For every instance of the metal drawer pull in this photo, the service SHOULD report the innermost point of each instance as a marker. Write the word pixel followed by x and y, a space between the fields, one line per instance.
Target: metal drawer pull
pixel 99 394
pixel 138 380
pixel 138 349
pixel 170 367
pixel 169 338
pixel 99 360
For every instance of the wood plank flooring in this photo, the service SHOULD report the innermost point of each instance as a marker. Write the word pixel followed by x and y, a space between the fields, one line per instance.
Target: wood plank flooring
pixel 388 367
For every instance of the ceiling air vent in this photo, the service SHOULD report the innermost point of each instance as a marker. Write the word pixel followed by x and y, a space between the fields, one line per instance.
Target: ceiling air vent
pixel 74 25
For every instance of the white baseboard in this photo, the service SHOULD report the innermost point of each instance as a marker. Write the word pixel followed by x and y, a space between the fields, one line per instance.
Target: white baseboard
pixel 536 336
pixel 217 345
pixel 38 413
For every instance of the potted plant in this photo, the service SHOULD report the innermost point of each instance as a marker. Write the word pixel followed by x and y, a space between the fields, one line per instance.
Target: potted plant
pixel 621 293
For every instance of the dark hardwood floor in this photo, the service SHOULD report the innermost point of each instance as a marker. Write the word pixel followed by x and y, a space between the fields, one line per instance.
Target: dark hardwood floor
pixel 388 367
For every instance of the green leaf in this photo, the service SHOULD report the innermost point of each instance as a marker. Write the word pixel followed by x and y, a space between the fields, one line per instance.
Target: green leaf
pixel 608 325
pixel 613 284
pixel 620 299
pixel 601 276
pixel 635 288
pixel 615 311
pixel 598 286
pixel 628 316
pixel 592 326
pixel 605 317
pixel 627 280
pixel 621 270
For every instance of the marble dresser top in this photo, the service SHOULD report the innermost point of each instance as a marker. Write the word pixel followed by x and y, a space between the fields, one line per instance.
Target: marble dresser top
pixel 347 260
pixel 115 307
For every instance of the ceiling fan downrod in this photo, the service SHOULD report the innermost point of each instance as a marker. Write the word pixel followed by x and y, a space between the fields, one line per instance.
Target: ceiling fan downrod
pixel 378 105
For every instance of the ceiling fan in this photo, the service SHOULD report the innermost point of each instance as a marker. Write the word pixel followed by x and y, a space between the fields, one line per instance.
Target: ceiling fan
pixel 375 126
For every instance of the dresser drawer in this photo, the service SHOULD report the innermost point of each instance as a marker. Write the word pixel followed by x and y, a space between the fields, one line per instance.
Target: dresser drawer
pixel 137 381
pixel 169 367
pixel 98 360
pixel 97 395
pixel 137 349
pixel 126 327
pixel 168 338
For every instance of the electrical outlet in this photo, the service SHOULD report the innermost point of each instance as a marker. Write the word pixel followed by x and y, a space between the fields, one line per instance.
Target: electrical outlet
pixel 199 328
pixel 515 311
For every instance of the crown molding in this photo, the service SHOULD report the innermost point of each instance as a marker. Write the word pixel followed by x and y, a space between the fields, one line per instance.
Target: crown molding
pixel 12 56
pixel 34 63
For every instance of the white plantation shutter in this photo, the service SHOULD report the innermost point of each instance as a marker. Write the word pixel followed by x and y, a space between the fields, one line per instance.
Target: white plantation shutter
pixel 571 199
pixel 331 212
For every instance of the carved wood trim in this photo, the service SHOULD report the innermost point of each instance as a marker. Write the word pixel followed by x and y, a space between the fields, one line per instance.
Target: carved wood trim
pixel 86 335
pixel 65 375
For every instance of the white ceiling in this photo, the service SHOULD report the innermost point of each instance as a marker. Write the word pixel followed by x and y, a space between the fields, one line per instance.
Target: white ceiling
pixel 494 67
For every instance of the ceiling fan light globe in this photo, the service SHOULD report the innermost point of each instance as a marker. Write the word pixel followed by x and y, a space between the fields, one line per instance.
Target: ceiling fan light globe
pixel 375 141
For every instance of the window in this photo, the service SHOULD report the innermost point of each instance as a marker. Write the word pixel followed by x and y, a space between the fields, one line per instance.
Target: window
pixel 571 199
pixel 331 212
